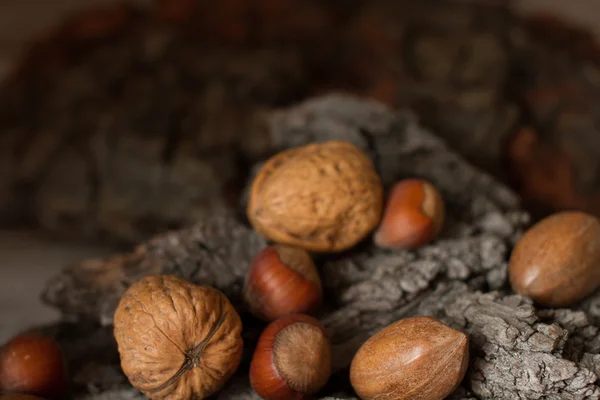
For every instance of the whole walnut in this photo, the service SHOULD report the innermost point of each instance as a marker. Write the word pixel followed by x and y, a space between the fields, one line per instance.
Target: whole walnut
pixel 177 340
pixel 323 197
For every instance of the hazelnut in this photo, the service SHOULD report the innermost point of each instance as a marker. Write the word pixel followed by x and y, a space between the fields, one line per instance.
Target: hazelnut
pixel 177 339
pixel 292 359
pixel 33 364
pixel 413 216
pixel 323 197
pixel 413 358
pixel 282 280
pixel 556 261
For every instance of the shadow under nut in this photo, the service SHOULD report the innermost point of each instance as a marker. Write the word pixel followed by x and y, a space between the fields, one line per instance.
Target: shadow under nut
pixel 323 197
pixel 557 261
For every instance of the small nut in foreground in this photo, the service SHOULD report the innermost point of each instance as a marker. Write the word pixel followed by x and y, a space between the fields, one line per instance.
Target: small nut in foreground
pixel 413 358
pixel 323 197
pixel 34 365
pixel 292 359
pixel 413 216
pixel 176 339
pixel 557 261
pixel 282 280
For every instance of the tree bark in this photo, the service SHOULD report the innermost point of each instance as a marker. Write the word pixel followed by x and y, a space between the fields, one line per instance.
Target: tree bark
pixel 517 351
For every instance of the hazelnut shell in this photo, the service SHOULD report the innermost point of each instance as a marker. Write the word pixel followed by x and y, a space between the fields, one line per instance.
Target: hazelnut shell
pixel 282 280
pixel 413 358
pixel 323 197
pixel 556 262
pixel 177 339
pixel 292 359
pixel 33 364
pixel 413 216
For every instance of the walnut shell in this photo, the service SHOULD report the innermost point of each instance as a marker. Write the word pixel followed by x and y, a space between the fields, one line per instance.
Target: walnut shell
pixel 323 197
pixel 177 340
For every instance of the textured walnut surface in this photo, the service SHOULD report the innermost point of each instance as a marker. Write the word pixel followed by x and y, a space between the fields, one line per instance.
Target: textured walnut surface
pixel 175 339
pixel 517 350
pixel 323 197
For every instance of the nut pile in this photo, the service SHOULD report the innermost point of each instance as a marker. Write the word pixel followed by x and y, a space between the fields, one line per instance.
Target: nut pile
pixel 179 340
pixel 322 198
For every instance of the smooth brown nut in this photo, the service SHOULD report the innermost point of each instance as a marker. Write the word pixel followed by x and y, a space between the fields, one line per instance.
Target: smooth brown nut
pixel 176 339
pixel 35 365
pixel 557 261
pixel 282 280
pixel 413 216
pixel 323 197
pixel 292 359
pixel 413 358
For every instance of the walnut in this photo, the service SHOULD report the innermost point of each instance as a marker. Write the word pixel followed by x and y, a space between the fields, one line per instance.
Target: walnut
pixel 323 197
pixel 177 340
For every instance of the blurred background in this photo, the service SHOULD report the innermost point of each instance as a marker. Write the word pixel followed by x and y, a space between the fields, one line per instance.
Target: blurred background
pixel 28 258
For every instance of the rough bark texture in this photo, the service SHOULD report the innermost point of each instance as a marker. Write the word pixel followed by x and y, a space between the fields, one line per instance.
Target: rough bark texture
pixel 517 351
pixel 215 251
pixel 107 127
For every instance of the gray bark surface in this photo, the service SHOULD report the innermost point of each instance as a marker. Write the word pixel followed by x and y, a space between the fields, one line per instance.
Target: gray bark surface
pixel 517 350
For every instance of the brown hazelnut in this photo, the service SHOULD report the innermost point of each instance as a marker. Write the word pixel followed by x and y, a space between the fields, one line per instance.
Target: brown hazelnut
pixel 413 358
pixel 323 197
pixel 177 339
pixel 556 261
pixel 413 216
pixel 282 280
pixel 292 359
pixel 33 364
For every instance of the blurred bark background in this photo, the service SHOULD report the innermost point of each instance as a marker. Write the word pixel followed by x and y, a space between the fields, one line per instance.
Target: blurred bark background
pixel 26 259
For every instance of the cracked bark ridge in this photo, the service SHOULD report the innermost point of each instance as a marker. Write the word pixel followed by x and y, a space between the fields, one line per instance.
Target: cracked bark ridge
pixel 215 252
pixel 521 352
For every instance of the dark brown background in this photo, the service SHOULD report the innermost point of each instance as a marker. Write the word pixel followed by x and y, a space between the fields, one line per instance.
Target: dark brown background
pixel 28 260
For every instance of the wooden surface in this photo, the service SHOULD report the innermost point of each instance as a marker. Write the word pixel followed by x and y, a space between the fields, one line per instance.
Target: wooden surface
pixel 26 260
